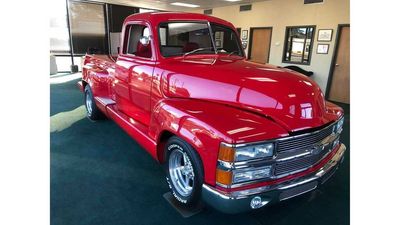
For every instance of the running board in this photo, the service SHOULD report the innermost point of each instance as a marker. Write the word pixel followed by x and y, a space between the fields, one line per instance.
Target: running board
pixel 102 103
pixel 105 101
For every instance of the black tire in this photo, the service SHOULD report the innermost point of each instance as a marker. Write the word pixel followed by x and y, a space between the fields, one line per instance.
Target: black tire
pixel 194 198
pixel 93 112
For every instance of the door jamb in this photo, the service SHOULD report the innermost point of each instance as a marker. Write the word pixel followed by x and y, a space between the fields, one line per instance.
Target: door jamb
pixel 332 68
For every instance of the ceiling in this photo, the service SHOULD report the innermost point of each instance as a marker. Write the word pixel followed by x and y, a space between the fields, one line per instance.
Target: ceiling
pixel 166 4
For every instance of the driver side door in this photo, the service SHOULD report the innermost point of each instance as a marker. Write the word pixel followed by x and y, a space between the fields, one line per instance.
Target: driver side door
pixel 134 70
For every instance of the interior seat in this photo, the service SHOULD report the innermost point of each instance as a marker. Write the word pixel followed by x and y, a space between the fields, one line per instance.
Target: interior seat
pixel 143 50
pixel 190 46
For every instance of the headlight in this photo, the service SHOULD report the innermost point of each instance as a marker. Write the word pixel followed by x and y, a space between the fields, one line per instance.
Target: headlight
pixel 339 125
pixel 229 155
pixel 253 174
pixel 254 152
pixel 250 152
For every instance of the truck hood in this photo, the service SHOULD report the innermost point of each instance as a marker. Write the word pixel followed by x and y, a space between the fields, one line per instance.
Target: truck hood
pixel 289 98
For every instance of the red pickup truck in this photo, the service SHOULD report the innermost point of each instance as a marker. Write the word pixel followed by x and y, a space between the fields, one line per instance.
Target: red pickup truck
pixel 232 133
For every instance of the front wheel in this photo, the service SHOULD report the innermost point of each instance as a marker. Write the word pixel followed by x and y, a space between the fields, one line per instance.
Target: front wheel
pixel 184 172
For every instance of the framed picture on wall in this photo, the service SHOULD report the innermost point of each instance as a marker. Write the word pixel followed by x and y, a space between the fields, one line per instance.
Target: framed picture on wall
pixel 325 34
pixel 244 34
pixel 322 48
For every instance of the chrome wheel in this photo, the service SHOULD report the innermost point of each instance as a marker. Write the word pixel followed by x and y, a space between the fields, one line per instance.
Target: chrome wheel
pixel 181 172
pixel 88 103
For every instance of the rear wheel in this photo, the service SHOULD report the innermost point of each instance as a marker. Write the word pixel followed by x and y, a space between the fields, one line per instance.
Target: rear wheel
pixel 92 111
pixel 184 172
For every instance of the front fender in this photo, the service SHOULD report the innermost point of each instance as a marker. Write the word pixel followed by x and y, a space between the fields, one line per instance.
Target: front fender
pixel 205 125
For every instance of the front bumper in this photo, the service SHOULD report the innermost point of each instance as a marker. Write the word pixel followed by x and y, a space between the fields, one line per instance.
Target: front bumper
pixel 241 201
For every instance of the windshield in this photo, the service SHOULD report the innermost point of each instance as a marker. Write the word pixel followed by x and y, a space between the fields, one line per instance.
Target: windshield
pixel 184 38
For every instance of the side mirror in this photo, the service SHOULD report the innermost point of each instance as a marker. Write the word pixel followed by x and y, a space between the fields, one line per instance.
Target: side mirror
pixel 144 40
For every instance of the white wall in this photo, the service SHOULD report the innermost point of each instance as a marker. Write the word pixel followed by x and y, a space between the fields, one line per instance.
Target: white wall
pixel 282 13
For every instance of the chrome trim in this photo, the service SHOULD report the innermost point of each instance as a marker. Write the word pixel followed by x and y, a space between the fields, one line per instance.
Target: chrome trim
pixel 292 196
pixel 214 191
pixel 272 177
pixel 181 172
pixel 282 138
pixel 298 183
pixel 282 175
pixel 306 152
pixel 226 165
pixel 339 131
pixel 323 143
pixel 239 145
pixel 247 169
pixel 229 166
pixel 222 185
pixel 285 185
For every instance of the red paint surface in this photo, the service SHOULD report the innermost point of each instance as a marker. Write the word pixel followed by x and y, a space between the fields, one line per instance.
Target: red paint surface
pixel 204 99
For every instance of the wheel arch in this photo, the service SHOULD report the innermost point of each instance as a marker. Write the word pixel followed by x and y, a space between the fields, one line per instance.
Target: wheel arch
pixel 84 83
pixel 164 136
pixel 170 119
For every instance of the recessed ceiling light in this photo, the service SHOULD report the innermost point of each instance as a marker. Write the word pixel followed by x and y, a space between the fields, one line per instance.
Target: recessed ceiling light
pixel 185 4
pixel 233 0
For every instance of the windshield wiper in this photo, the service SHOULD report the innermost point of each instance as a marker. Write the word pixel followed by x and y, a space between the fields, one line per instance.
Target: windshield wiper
pixel 196 50
pixel 228 53
pixel 233 52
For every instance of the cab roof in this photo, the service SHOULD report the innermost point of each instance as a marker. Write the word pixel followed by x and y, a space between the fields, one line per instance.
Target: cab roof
pixel 158 17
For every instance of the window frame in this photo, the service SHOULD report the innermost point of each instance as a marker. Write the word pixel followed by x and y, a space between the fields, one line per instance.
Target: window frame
pixel 197 21
pixel 126 37
pixel 285 47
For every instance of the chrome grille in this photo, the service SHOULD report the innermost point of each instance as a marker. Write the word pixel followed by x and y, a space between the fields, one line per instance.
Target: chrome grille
pixel 296 164
pixel 299 144
pixel 298 190
pixel 304 141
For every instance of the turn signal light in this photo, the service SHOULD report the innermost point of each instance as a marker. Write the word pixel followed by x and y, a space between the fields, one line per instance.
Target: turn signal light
pixel 226 153
pixel 224 177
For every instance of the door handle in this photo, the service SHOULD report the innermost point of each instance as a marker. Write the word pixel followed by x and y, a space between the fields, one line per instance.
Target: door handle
pixel 336 64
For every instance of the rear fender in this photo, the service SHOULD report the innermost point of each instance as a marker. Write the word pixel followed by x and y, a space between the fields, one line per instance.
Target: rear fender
pixel 96 77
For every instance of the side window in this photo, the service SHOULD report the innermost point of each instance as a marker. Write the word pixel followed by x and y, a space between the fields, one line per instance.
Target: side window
pixel 134 46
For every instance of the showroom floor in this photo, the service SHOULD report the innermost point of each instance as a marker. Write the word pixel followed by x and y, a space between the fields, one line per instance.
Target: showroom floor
pixel 99 175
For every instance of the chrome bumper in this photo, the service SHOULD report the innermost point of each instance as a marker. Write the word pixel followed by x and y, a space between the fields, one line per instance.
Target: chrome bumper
pixel 240 201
